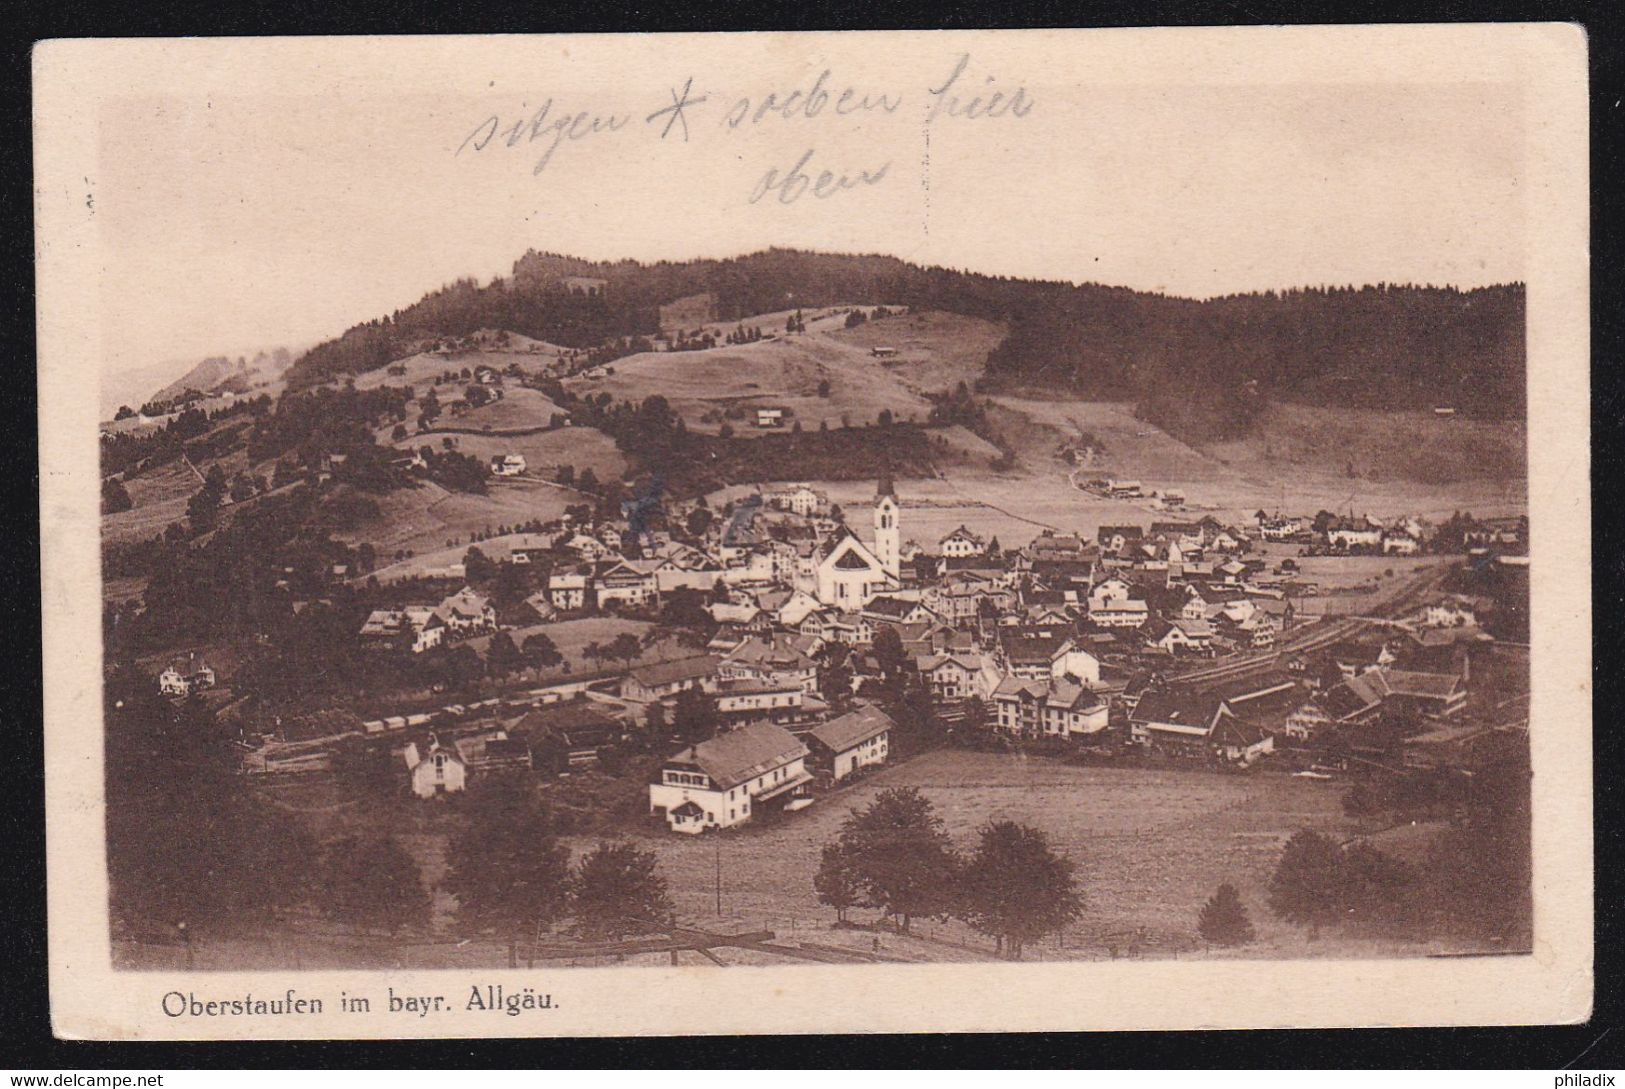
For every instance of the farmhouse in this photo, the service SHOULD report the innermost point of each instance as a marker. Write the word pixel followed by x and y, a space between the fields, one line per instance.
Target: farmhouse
pixel 508 464
pixel 896 610
pixel 624 582
pixel 648 683
pixel 568 736
pixel 1118 539
pixel 843 745
pixel 717 783
pixel 418 627
pixel 770 417
pixel 1181 723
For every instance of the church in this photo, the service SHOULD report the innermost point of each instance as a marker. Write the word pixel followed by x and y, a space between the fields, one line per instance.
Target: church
pixel 849 572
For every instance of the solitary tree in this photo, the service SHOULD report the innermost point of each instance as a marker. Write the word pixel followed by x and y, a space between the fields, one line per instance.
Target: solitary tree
pixel 616 891
pixel 836 881
pixel 901 855
pixel 1223 919
pixel 502 656
pixel 1308 886
pixel 508 873
pixel 369 881
pixel 624 646
pixel 1017 888
pixel 540 651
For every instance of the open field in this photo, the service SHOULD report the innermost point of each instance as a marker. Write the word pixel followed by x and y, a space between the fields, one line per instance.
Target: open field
pixel 160 496
pixel 572 635
pixel 424 518
pixel 939 350
pixel 1150 846
pixel 425 368
pixel 544 452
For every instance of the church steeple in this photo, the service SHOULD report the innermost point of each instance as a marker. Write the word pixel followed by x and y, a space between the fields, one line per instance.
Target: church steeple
pixel 888 533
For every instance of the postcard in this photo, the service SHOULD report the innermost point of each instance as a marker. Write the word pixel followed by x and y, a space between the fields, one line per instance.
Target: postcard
pixel 815 532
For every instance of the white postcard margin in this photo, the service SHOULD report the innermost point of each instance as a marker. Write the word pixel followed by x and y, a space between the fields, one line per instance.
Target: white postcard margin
pixel 90 1000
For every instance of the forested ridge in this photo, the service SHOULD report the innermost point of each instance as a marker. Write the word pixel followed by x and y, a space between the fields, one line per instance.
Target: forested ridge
pixel 1201 368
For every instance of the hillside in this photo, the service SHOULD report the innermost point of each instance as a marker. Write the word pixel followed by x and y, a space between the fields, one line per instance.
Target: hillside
pixel 1203 370
pixel 824 377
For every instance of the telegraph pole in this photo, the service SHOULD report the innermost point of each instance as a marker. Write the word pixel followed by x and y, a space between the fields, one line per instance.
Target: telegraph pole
pixel 719 878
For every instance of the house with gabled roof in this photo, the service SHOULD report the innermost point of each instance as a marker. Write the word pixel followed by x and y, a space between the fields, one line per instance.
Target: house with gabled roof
pixel 895 610
pixel 851 741
pixel 957 675
pixel 467 611
pixel 775 658
pixel 664 680
pixel 724 781
pixel 960 543
pixel 186 675
pixel 1177 721
pixel 435 769
pixel 1052 707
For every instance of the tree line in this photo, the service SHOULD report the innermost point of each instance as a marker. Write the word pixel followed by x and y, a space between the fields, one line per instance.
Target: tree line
pixel 1204 367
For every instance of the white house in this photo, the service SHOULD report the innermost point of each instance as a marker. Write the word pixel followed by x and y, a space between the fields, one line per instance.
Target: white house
pixel 185 676
pixel 957 675
pixel 961 543
pixel 625 582
pixel 1052 708
pixel 800 499
pixel 419 627
pixel 508 464
pixel 438 769
pixel 1120 613
pixel 770 417
pixel 468 610
pixel 1400 544
pixel 718 783
pixel 852 741
pixel 567 588
pixel 662 680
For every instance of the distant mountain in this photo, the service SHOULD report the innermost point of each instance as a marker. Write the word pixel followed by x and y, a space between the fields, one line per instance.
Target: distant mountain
pixel 220 374
pixel 1203 369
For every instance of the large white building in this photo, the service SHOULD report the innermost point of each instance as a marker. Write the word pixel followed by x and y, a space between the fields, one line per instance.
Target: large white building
pixel 721 782
pixel 849 572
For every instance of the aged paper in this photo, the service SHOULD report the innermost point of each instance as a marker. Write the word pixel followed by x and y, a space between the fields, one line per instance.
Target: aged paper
pixel 795 533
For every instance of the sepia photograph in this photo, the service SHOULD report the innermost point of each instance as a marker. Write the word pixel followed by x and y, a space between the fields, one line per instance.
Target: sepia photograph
pixel 867 501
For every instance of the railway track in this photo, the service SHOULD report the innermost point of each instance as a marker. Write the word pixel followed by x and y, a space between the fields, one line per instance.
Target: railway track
pixel 1316 637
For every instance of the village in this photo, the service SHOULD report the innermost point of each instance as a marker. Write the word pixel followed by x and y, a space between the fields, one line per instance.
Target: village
pixel 1191 642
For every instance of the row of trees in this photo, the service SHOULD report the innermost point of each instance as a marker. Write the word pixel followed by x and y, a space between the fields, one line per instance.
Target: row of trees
pixel 895 855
